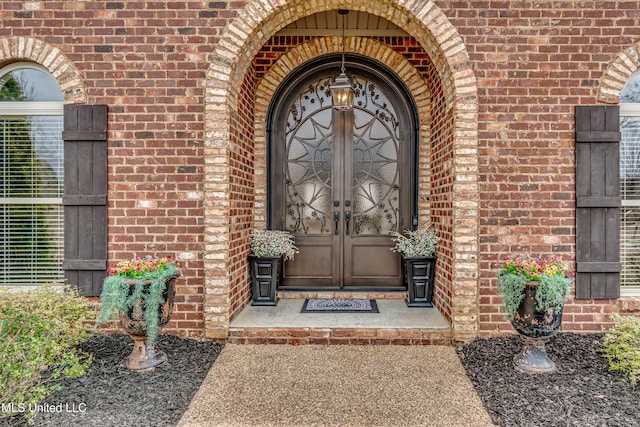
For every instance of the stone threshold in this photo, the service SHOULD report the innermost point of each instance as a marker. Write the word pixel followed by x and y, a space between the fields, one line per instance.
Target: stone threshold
pixel 396 324
pixel 342 295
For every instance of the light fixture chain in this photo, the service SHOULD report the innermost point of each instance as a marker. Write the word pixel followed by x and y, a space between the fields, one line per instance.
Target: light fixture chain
pixel 343 47
pixel 342 92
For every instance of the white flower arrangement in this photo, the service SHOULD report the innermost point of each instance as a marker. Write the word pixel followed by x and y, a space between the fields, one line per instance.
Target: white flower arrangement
pixel 418 243
pixel 273 243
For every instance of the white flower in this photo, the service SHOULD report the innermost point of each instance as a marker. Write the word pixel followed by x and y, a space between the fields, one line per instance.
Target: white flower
pixel 273 243
pixel 421 242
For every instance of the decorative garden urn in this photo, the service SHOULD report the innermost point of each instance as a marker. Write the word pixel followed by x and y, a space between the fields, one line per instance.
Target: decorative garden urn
pixel 536 327
pixel 146 357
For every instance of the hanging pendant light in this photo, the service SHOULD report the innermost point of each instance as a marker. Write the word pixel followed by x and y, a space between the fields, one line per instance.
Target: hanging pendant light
pixel 341 90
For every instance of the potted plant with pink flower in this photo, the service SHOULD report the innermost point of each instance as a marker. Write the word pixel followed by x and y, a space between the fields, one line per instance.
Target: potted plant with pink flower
pixel 140 293
pixel 534 291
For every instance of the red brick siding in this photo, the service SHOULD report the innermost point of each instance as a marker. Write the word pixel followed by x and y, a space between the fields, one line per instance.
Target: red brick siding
pixel 533 62
pixel 147 61
pixel 441 197
pixel 242 193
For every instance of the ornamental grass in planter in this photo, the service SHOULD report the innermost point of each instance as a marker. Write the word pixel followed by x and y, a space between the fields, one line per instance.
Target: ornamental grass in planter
pixel 421 242
pixel 417 249
pixel 140 293
pixel 534 291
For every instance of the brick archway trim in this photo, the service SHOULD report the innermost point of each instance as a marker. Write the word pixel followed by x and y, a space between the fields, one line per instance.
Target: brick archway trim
pixel 14 49
pixel 261 19
pixel 314 48
pixel 242 39
pixel 617 74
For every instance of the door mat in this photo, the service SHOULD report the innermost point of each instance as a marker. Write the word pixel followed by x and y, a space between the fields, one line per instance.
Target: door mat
pixel 318 305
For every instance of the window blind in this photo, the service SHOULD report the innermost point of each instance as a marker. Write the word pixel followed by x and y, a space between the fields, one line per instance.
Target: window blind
pixel 630 195
pixel 31 187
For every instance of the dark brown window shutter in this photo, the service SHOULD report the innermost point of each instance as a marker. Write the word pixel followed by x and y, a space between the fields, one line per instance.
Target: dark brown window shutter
pixel 85 197
pixel 598 202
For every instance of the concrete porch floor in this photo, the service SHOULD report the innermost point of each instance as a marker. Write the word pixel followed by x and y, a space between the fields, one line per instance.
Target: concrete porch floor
pixel 394 324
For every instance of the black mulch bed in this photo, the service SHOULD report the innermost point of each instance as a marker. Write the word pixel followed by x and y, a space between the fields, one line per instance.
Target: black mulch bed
pixel 582 393
pixel 111 395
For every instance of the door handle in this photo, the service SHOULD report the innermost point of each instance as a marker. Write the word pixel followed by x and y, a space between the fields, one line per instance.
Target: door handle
pixel 336 221
pixel 347 218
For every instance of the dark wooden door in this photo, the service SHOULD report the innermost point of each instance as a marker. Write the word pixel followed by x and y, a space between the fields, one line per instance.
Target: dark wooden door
pixel 341 181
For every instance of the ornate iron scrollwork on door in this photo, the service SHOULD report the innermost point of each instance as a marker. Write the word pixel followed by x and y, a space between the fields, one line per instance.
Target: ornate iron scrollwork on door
pixel 376 176
pixel 309 150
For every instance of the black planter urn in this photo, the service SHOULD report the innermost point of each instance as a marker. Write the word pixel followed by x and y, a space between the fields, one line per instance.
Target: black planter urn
pixel 143 357
pixel 418 275
pixel 535 327
pixel 266 273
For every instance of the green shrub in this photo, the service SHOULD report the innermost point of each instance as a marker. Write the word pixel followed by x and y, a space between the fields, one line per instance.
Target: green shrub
pixel 622 346
pixel 39 332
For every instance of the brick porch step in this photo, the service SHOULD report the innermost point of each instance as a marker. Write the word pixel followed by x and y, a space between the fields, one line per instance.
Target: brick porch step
pixel 356 336
pixel 395 324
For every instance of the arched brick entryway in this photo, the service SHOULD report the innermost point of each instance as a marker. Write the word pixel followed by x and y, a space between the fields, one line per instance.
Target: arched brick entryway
pixel 230 161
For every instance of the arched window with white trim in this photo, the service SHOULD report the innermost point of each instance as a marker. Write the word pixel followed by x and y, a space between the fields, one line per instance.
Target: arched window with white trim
pixel 630 186
pixel 32 177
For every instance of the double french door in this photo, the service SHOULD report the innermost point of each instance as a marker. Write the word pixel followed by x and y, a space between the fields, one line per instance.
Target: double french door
pixel 341 181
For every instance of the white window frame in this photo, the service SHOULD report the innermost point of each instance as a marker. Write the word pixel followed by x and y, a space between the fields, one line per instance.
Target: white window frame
pixel 28 108
pixel 629 110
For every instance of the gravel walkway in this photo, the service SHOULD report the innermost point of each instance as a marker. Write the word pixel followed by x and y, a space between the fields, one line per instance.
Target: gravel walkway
pixel 279 385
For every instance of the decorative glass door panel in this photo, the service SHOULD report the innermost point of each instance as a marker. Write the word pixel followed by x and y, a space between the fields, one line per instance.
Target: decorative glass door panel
pixel 375 173
pixel 309 151
pixel 340 181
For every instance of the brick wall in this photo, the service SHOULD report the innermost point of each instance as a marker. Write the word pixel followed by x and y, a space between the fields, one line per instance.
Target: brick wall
pixel 441 196
pixel 533 62
pixel 241 194
pixel 147 62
